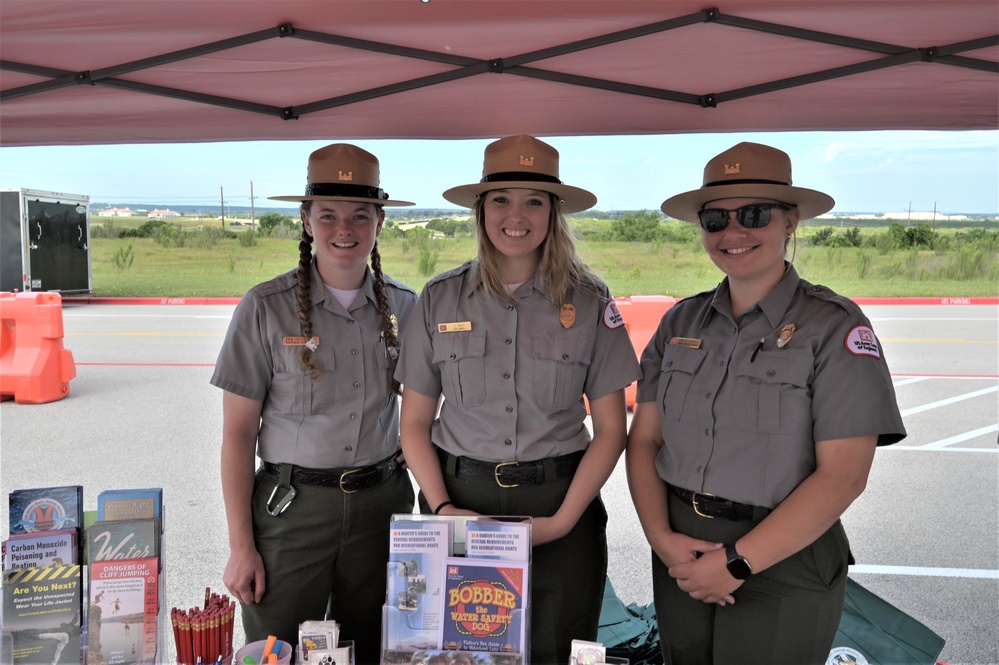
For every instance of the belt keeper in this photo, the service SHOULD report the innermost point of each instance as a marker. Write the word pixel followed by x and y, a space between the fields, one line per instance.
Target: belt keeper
pixel 452 465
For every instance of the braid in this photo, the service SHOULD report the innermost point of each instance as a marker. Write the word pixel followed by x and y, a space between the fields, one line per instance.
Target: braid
pixel 389 337
pixel 304 304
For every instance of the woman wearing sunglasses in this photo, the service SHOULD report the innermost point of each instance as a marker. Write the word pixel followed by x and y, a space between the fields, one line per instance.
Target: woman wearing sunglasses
pixel 760 408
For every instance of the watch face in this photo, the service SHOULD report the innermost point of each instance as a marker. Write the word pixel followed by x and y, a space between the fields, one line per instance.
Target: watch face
pixel 739 568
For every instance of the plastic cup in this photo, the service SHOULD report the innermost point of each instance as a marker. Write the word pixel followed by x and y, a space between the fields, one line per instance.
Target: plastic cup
pixel 254 650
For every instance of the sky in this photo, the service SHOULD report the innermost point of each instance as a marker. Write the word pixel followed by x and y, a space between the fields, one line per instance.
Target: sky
pixel 876 172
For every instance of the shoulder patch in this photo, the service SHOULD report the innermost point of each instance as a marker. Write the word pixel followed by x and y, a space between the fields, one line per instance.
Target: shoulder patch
pixel 861 341
pixel 612 316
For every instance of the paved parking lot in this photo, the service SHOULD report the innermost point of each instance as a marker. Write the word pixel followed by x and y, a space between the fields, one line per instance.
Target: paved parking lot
pixel 925 534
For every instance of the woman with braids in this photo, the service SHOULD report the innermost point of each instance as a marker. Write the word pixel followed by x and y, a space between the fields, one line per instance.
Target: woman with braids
pixel 513 340
pixel 306 369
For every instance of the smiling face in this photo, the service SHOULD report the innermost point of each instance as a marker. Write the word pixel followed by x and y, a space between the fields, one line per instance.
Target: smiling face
pixel 750 255
pixel 344 232
pixel 516 223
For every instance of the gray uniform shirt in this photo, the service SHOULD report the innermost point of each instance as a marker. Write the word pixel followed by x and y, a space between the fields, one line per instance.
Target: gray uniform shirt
pixel 346 417
pixel 513 383
pixel 744 427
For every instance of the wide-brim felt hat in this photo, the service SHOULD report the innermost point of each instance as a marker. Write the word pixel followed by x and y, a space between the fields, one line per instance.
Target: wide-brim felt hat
pixel 748 170
pixel 522 162
pixel 343 172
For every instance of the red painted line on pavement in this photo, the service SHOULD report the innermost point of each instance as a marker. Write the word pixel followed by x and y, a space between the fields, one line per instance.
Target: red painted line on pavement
pixel 149 364
pixel 151 301
pixel 926 301
pixel 949 376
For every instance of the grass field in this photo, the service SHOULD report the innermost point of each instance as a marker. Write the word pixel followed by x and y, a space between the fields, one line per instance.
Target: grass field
pixel 227 268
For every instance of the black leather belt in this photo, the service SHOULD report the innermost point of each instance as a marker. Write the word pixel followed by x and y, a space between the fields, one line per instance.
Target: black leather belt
pixel 511 474
pixel 347 479
pixel 709 505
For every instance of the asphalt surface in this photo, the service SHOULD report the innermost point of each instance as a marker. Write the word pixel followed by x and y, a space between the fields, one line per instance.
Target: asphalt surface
pixel 925 533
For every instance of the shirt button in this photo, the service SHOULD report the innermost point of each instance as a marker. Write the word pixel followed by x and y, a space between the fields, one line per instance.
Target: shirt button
pixel 357 384
pixel 698 469
pixel 508 442
pixel 509 308
pixel 565 356
pixel 353 416
pixel 506 375
pixel 721 363
pixel 508 340
pixel 509 409
pixel 453 356
pixel 349 448
pixel 350 321
pixel 771 373
pixel 669 363
pixel 353 352
pixel 705 431
pixel 707 394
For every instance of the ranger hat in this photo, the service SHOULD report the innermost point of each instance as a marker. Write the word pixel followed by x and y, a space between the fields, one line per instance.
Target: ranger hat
pixel 343 172
pixel 522 162
pixel 748 170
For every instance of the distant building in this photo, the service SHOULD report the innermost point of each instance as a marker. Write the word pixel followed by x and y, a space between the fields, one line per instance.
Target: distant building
pixel 163 214
pixel 116 212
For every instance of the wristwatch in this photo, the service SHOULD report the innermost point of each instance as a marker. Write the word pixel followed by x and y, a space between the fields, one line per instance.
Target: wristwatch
pixel 738 566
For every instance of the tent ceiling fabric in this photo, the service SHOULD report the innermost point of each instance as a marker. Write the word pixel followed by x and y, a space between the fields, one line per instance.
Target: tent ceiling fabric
pixel 147 71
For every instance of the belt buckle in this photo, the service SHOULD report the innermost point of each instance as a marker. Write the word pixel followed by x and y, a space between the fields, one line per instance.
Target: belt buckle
pixel 496 474
pixel 697 509
pixel 344 475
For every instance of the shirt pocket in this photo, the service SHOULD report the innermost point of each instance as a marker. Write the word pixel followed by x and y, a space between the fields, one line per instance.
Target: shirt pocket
pixel 293 390
pixel 676 375
pixel 561 362
pixel 772 393
pixel 461 358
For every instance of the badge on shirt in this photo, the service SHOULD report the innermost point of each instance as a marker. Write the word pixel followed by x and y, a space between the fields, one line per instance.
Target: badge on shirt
pixel 612 316
pixel 456 326
pixel 786 333
pixel 291 340
pixel 567 315
pixel 860 341
pixel 686 341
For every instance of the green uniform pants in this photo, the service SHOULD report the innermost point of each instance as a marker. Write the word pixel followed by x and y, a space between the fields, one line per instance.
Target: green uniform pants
pixel 327 551
pixel 787 614
pixel 567 582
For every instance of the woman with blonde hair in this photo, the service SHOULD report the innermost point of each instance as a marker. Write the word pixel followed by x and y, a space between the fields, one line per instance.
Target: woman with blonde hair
pixel 513 341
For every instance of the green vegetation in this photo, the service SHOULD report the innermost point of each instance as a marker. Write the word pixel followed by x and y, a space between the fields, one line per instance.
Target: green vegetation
pixel 635 253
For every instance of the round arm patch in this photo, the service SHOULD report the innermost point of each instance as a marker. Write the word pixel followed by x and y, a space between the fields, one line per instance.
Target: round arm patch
pixel 861 341
pixel 612 316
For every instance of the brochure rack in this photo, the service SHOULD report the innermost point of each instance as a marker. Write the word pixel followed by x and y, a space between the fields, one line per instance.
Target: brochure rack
pixel 457 586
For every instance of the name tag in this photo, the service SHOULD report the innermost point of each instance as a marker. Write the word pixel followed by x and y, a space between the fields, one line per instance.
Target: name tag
pixel 456 326
pixel 686 341
pixel 297 341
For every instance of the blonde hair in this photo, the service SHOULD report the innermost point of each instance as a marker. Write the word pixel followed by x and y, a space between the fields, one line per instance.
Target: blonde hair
pixel 560 268
pixel 388 333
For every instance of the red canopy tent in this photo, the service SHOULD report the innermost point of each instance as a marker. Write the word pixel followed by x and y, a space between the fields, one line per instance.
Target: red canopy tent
pixel 145 71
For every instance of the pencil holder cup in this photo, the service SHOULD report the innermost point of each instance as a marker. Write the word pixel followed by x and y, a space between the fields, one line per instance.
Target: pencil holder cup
pixel 254 650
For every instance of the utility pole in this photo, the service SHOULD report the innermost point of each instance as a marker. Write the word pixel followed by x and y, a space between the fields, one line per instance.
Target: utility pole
pixel 222 204
pixel 252 211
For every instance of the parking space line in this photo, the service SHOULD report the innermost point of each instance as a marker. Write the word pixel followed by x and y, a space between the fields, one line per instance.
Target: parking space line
pixel 958 438
pixel 906 382
pixel 924 571
pixel 950 400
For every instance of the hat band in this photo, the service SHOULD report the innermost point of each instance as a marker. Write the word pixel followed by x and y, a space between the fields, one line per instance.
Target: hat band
pixel 338 189
pixel 747 181
pixel 514 176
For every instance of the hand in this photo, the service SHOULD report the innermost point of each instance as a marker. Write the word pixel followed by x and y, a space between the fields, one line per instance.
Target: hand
pixel 707 578
pixel 401 461
pixel 674 548
pixel 244 576
pixel 451 509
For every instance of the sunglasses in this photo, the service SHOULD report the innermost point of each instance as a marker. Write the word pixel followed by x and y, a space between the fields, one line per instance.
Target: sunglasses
pixel 752 216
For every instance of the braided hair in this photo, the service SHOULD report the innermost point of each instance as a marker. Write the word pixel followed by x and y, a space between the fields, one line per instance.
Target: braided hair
pixel 389 331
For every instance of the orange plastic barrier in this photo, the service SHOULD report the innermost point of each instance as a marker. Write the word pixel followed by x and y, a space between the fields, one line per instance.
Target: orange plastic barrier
pixel 34 366
pixel 641 315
